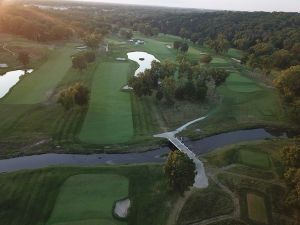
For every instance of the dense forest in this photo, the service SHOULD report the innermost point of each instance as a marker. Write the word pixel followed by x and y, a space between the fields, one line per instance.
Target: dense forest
pixel 271 40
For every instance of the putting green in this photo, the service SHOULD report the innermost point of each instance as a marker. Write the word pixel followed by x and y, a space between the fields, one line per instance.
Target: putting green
pixel 257 208
pixel 217 60
pixel 88 199
pixel 254 158
pixel 109 117
pixel 238 83
pixel 39 85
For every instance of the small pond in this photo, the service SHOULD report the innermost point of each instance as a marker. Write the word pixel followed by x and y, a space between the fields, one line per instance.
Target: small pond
pixel 10 79
pixel 144 60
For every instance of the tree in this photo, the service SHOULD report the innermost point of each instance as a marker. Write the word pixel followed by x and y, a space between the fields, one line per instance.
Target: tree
pixel 168 69
pixel 282 59
pixel 79 62
pixel 291 155
pixel 220 44
pixel 219 76
pixel 185 70
pixel 24 58
pixel 168 87
pixel 206 59
pixel 92 41
pixel 125 33
pixel 291 159
pixel 77 94
pixel 201 90
pixel 90 56
pixel 159 95
pixel 184 48
pixel 81 94
pixel 66 99
pixel 177 45
pixel 180 171
pixel 288 83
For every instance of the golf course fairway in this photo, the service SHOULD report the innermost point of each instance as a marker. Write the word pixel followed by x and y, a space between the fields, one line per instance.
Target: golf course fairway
pixel 89 199
pixel 109 117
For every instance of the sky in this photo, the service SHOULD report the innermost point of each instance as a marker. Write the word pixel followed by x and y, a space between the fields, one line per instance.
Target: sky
pixel 240 5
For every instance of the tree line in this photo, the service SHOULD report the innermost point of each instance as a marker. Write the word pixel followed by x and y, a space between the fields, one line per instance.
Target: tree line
pixel 191 83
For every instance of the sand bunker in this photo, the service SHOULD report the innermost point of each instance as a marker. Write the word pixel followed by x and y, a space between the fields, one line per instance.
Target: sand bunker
pixel 122 208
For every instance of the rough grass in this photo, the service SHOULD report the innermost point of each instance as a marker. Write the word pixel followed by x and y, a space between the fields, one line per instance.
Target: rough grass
pixel 39 85
pixel 205 204
pixel 109 117
pixel 28 197
pixel 254 158
pixel 257 208
pixel 87 198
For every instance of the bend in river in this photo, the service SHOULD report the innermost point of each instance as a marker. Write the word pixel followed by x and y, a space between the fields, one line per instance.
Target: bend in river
pixel 10 79
pixel 144 60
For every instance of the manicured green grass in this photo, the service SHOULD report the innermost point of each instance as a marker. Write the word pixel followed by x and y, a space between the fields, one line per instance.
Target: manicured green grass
pixel 238 83
pixel 219 60
pixel 253 158
pixel 89 197
pixel 257 208
pixel 29 197
pixel 235 53
pixel 258 154
pixel 38 86
pixel 109 117
pixel 243 109
pixel 205 204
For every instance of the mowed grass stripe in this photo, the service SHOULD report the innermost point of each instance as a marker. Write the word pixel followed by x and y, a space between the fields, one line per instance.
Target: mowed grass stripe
pixel 88 197
pixel 109 117
pixel 39 85
pixel 256 208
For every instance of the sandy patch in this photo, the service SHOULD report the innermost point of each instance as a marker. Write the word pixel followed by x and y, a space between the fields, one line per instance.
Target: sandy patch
pixel 122 208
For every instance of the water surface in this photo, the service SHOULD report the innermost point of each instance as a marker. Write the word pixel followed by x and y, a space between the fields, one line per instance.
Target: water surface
pixel 10 79
pixel 202 146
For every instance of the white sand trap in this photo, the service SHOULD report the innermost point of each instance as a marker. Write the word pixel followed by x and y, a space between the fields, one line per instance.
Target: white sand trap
pixel 127 88
pixel 144 60
pixel 169 46
pixel 3 65
pixel 236 60
pixel 122 208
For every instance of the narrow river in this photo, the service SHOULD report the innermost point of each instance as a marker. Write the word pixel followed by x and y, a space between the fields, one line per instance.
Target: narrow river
pixel 155 156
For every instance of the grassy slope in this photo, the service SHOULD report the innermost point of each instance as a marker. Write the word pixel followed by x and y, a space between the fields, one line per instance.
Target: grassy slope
pixel 39 85
pixel 257 208
pixel 244 103
pixel 28 197
pixel 89 197
pixel 205 204
pixel 254 158
pixel 109 118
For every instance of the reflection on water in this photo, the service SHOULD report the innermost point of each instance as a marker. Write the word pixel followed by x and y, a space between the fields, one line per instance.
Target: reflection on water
pixel 10 79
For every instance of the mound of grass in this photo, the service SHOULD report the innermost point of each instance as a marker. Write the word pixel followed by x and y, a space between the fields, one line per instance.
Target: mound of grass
pixel 89 197
pixel 252 172
pixel 254 158
pixel 257 208
pixel 205 204
pixel 28 197
pixel 238 83
pixel 109 117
